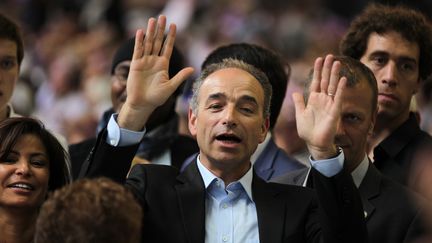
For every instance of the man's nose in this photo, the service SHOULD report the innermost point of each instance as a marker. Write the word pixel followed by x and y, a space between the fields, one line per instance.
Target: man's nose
pixel 229 117
pixel 390 74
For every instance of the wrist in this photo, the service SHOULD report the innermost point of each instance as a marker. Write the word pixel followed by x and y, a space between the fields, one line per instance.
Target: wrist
pixel 133 118
pixel 324 153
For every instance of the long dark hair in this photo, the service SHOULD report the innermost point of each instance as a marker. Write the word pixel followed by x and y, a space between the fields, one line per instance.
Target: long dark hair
pixel 11 129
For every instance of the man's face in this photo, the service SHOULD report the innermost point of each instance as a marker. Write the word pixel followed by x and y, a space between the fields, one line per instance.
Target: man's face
pixel 395 64
pixel 356 123
pixel 118 84
pixel 9 70
pixel 229 122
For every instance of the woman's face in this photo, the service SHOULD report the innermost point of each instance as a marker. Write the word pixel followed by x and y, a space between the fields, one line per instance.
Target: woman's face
pixel 24 174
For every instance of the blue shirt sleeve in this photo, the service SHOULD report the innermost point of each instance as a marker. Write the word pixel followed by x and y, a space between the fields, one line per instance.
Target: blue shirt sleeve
pixel 119 137
pixel 329 167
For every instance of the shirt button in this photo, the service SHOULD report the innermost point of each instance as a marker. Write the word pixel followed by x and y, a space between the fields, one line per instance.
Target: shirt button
pixel 113 142
pixel 224 205
pixel 225 238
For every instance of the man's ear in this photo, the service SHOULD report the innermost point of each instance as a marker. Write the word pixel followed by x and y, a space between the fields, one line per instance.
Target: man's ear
pixel 264 129
pixel 373 120
pixel 192 122
pixel 416 88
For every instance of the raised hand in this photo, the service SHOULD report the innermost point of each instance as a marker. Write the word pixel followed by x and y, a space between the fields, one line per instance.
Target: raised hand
pixel 317 121
pixel 148 85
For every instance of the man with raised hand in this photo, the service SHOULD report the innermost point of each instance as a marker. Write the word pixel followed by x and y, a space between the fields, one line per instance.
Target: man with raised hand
pixel 219 197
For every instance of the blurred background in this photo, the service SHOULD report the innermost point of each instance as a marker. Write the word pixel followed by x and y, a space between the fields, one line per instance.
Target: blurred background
pixel 65 75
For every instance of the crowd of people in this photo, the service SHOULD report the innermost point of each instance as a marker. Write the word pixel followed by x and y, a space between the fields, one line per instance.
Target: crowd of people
pixel 149 129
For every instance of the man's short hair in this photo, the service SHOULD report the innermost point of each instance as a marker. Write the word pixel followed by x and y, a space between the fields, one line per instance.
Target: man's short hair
pixel 90 211
pixel 355 72
pixel 10 31
pixel 233 63
pixel 262 58
pixel 410 24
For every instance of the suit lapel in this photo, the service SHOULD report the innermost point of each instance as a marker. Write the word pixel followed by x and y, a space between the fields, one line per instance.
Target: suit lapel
pixel 191 198
pixel 264 162
pixel 370 189
pixel 270 211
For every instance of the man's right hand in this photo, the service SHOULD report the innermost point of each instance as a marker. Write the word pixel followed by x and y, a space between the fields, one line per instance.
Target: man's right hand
pixel 148 85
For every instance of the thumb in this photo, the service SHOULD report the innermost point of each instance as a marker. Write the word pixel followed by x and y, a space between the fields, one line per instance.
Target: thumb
pixel 299 103
pixel 181 76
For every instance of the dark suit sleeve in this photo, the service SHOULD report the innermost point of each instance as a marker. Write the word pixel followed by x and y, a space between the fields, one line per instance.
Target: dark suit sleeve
pixel 340 208
pixel 108 161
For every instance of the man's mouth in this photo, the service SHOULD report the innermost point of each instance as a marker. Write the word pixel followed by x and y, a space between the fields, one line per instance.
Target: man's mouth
pixel 228 138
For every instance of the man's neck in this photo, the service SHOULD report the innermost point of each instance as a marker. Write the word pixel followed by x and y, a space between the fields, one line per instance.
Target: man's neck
pixel 4 113
pixel 227 173
pixel 384 126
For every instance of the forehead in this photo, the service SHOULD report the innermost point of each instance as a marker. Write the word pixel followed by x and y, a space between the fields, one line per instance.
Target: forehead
pixel 393 44
pixel 358 98
pixel 8 46
pixel 232 82
pixel 29 141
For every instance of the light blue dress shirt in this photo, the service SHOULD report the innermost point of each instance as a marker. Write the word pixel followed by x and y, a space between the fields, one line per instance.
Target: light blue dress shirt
pixel 230 210
pixel 231 214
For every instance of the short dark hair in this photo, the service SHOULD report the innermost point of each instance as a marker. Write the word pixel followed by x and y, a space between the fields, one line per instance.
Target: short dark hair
pixel 12 129
pixel 10 31
pixel 264 59
pixel 233 63
pixel 90 210
pixel 411 24
pixel 355 72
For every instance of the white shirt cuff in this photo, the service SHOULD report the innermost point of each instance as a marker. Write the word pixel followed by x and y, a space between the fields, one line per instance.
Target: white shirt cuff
pixel 329 167
pixel 120 137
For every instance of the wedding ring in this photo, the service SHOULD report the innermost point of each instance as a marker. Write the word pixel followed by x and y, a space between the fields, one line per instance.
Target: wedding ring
pixel 330 94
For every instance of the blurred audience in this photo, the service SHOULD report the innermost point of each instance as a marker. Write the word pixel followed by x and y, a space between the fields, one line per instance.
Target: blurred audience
pixel 90 211
pixel 32 163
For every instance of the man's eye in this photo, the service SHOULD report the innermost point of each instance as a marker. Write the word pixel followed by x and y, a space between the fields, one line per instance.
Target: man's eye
pixel 379 60
pixel 352 118
pixel 407 67
pixel 7 64
pixel 215 106
pixel 247 110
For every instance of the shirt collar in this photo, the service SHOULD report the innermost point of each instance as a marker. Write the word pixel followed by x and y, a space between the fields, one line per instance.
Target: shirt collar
pixel 208 177
pixel 359 173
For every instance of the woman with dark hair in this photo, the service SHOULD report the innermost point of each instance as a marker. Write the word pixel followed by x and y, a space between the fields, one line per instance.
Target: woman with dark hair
pixel 32 163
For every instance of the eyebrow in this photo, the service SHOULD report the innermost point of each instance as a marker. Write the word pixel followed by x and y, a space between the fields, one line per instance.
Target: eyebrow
pixel 244 98
pixel 249 99
pixel 402 58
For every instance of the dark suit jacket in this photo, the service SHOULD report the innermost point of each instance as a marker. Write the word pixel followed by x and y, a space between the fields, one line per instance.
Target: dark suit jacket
pixel 271 163
pixel 395 156
pixel 174 202
pixel 390 213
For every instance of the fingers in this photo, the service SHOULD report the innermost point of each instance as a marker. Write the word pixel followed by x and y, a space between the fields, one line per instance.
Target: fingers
pixel 326 72
pixel 148 40
pixel 169 42
pixel 138 47
pixel 334 79
pixel 316 78
pixel 159 35
pixel 154 39
pixel 339 90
